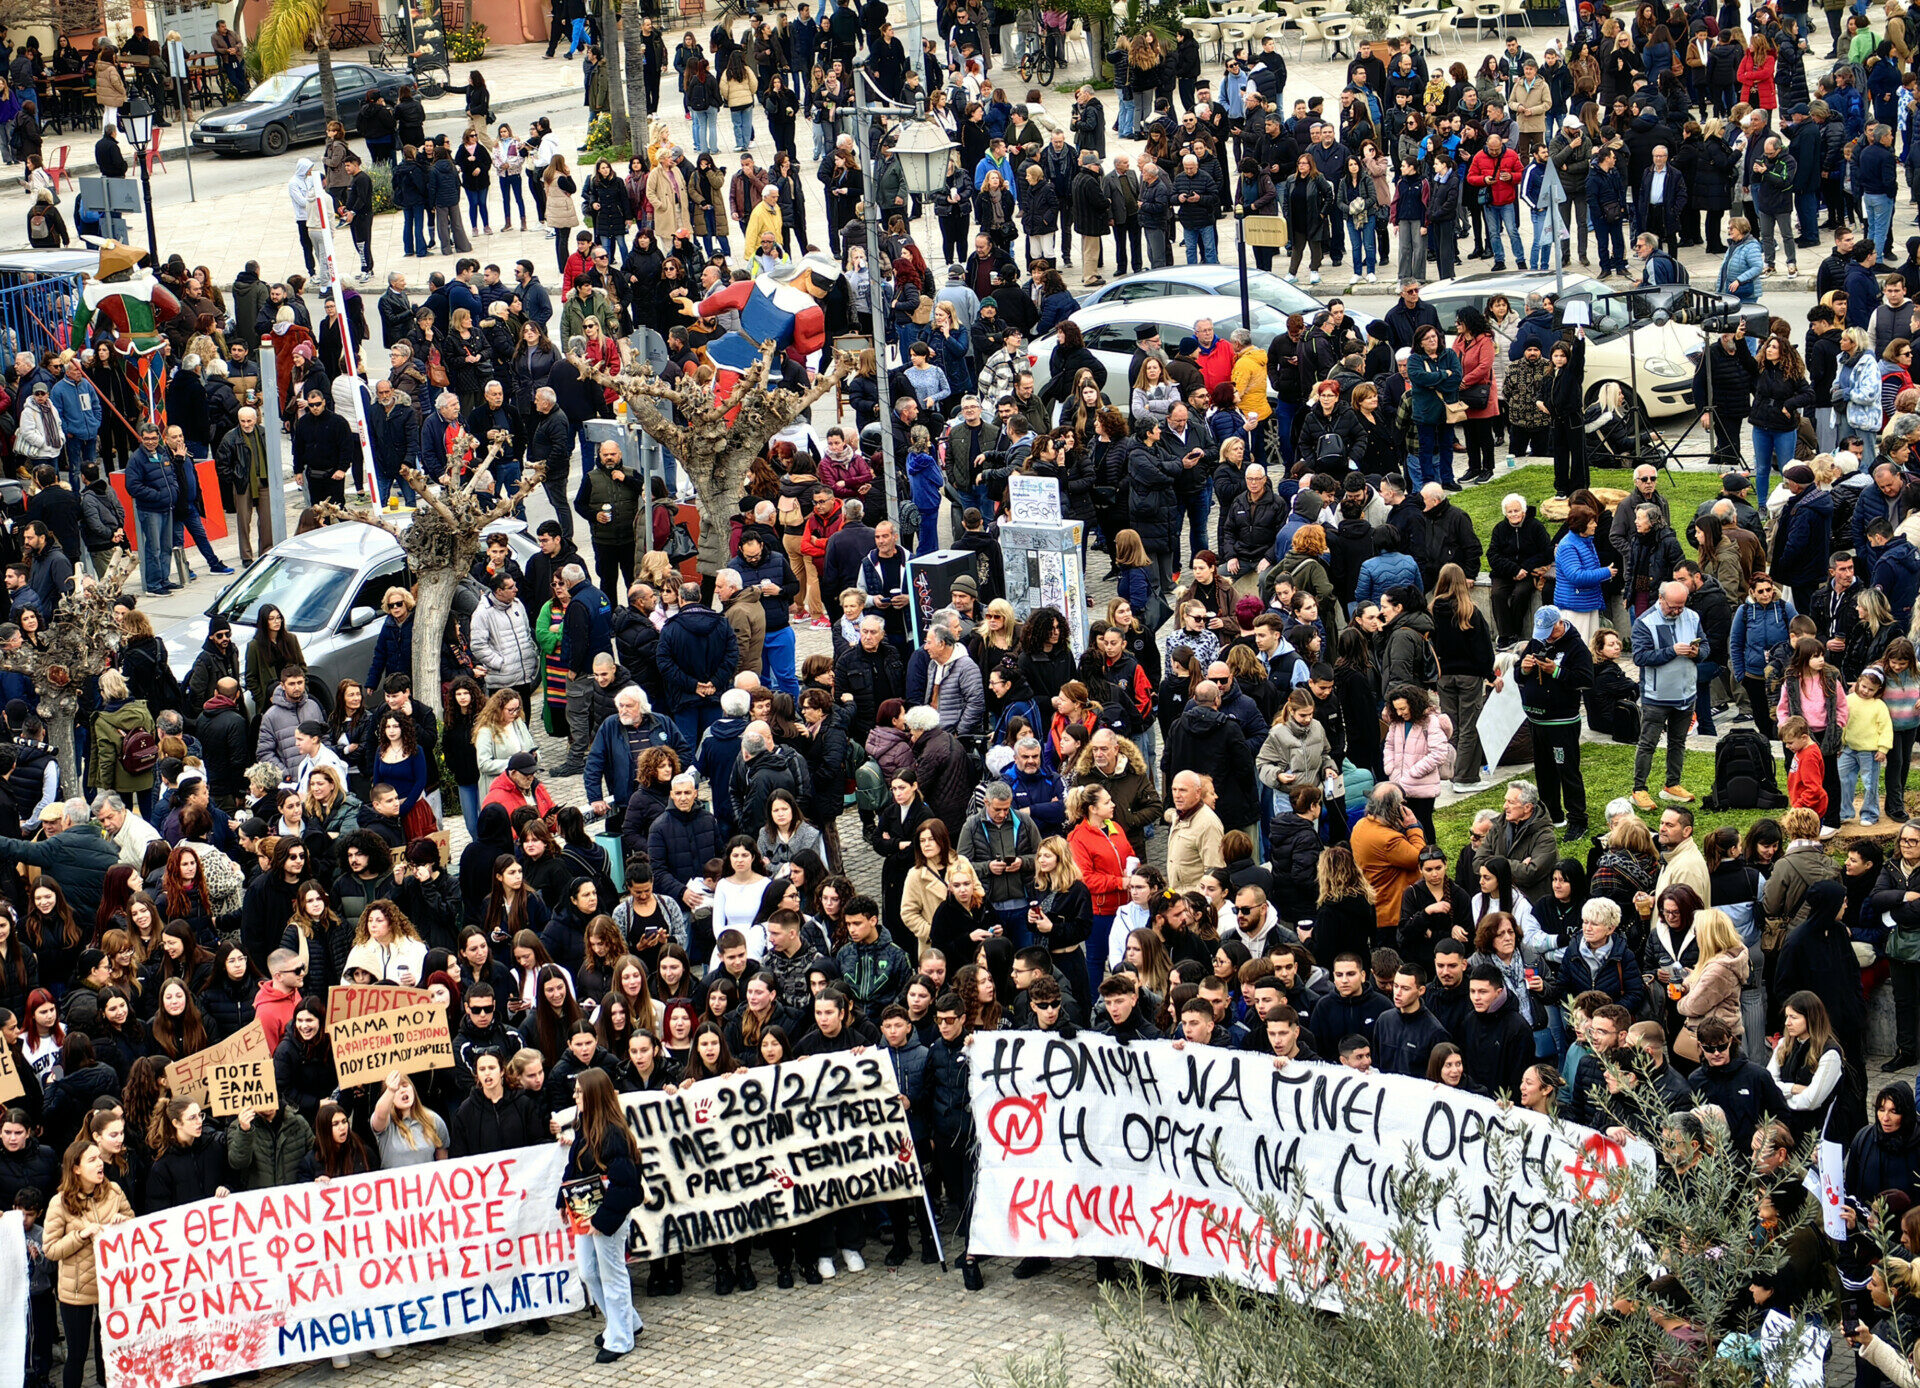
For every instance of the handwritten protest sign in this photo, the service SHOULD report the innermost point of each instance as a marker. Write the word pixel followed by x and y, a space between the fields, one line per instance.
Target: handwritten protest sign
pixel 349 1000
pixel 235 1086
pixel 407 1039
pixel 294 1273
pixel 770 1149
pixel 11 1087
pixel 188 1076
pixel 1090 1148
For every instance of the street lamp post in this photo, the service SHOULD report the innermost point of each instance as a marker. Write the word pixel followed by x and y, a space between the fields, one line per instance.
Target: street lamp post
pixel 1240 236
pixel 138 118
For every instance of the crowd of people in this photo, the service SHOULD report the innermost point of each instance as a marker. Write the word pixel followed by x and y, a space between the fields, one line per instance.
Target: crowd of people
pixel 1289 678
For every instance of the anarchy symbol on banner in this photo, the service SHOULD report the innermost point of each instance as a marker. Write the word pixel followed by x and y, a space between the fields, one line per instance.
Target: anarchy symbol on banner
pixel 1599 1155
pixel 1017 1124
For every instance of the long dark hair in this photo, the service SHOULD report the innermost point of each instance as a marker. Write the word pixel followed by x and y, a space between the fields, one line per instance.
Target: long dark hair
pixel 598 1115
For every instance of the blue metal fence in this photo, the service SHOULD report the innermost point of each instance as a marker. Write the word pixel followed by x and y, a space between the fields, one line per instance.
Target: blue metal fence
pixel 35 316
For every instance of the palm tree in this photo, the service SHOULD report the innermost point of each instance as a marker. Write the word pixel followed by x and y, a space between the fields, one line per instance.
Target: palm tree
pixel 288 27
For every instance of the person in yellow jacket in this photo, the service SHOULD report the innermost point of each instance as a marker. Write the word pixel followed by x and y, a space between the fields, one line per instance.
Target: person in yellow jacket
pixel 1865 744
pixel 1250 383
pixel 765 217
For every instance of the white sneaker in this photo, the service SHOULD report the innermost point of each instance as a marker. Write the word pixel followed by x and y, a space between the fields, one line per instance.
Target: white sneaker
pixel 1468 787
pixel 1372 278
pixel 1827 831
pixel 383 1354
pixel 1289 277
pixel 854 1262
pixel 826 1267
pixel 340 1361
pixel 1313 277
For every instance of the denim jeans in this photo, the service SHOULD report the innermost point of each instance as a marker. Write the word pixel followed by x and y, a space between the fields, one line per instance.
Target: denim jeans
pixel 1772 452
pixel 1509 218
pixel 1860 766
pixel 1203 246
pixel 1705 673
pixel 1436 453
pixel 1879 210
pixel 414 232
pixel 1198 507
pixel 1806 209
pixel 777 662
pixel 79 451
pixel 742 126
pixel 512 190
pixel 603 1267
pixel 705 129
pixel 1541 256
pixel 1360 240
pixel 477 214
pixel 197 528
pixel 156 547
pixel 1613 247
pixel 1125 119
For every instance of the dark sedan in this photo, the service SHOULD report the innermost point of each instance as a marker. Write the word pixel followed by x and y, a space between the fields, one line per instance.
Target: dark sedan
pixel 286 109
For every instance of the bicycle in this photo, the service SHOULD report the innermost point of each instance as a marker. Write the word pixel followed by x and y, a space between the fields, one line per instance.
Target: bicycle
pixel 1036 64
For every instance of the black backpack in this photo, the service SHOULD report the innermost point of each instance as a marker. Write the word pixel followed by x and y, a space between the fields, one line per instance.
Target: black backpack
pixel 1743 774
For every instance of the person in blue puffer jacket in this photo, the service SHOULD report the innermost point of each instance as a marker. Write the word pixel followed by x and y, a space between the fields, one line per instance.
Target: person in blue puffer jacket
pixel 155 490
pixel 1740 272
pixel 923 469
pixel 1389 568
pixel 1759 624
pixel 1578 572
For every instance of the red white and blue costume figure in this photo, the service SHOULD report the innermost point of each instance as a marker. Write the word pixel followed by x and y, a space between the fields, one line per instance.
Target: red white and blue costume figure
pixel 784 310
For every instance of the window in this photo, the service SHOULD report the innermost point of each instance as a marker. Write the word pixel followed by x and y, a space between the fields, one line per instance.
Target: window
pixel 373 588
pixel 1139 289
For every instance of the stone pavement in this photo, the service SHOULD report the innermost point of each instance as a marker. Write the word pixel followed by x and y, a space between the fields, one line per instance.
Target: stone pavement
pixel 909 1325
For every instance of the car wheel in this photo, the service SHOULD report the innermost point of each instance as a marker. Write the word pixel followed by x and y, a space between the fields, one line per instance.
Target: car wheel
pixel 273 140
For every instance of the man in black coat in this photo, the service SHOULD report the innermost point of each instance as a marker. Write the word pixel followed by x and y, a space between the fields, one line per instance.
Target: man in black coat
pixel 868 674
pixel 225 741
pixel 324 450
pixel 356 210
pixel 217 660
pixel 1444 536
pixel 1404 1037
pixel 1406 316
pixel 1496 1041
pixel 1742 1088
pixel 552 446
pixel 1092 216
pixel 1208 742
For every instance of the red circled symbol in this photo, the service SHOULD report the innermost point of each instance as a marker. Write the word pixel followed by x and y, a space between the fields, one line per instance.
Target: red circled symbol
pixel 1599 1155
pixel 1017 1124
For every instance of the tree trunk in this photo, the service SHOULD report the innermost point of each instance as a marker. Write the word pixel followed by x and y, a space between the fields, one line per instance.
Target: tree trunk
pixel 329 94
pixel 58 714
pixel 616 91
pixel 435 606
pixel 633 67
pixel 1097 49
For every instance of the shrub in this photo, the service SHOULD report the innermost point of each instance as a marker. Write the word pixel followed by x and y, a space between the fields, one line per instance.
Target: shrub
pixel 469 44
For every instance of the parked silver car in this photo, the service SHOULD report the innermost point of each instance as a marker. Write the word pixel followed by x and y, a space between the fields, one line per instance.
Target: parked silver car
pixel 329 583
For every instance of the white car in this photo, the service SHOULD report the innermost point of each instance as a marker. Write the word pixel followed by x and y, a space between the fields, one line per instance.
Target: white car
pixel 1108 330
pixel 1624 344
pixel 1176 281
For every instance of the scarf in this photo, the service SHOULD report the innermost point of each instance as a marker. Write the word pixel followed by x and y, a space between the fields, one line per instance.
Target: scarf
pixel 256 446
pixel 1514 971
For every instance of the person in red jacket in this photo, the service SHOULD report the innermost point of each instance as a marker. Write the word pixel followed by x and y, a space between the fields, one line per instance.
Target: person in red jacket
pixel 1806 780
pixel 822 524
pixel 1498 170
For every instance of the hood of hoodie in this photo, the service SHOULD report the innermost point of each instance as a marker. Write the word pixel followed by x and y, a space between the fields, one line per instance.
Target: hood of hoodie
pixel 1411 621
pixel 1207 722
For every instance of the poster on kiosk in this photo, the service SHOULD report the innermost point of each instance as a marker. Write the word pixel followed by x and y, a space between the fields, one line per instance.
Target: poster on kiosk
pixel 1042 556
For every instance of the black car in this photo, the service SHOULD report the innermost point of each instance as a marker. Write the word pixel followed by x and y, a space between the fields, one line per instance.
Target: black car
pixel 286 109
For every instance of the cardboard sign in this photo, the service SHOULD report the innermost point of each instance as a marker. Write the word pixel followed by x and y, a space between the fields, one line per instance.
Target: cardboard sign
pixel 11 1087
pixel 188 1078
pixel 407 1039
pixel 350 1000
pixel 235 1086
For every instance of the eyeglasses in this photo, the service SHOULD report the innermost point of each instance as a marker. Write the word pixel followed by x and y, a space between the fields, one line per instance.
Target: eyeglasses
pixel 1246 910
pixel 396 607
pixel 481 1010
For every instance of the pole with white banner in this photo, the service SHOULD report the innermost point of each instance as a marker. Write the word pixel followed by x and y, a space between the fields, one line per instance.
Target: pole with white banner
pixel 322 205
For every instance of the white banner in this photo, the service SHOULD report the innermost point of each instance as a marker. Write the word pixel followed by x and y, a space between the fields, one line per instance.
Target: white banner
pixel 13 1299
pixel 1091 1148
pixel 295 1273
pixel 769 1149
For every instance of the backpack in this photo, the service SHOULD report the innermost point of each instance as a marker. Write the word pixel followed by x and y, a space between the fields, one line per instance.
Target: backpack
pixel 37 225
pixel 139 752
pixel 869 786
pixel 1743 774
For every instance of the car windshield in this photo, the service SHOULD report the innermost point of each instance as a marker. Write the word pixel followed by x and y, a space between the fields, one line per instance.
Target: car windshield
pixel 276 88
pixel 306 590
pixel 1277 293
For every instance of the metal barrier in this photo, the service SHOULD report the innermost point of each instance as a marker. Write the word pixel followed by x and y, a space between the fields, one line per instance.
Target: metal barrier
pixel 37 315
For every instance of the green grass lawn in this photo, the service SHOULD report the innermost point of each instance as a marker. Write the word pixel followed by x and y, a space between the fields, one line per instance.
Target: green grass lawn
pixel 1608 770
pixel 1684 492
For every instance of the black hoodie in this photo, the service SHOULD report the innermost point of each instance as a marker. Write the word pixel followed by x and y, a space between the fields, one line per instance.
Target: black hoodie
pixel 494 840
